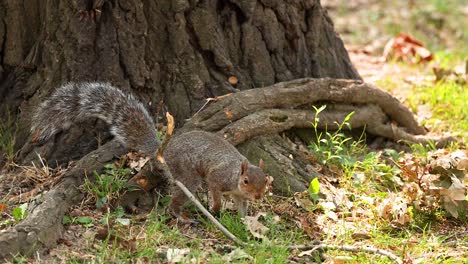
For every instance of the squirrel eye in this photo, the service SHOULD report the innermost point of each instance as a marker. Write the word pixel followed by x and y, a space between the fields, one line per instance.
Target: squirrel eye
pixel 246 181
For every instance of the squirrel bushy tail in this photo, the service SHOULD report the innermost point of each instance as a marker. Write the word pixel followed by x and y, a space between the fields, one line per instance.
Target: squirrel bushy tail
pixel 129 120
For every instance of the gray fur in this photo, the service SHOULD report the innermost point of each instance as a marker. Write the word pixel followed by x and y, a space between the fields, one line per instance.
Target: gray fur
pixel 198 156
pixel 130 122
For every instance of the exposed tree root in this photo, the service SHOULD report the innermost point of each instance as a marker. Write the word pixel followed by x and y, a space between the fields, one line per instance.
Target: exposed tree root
pixel 273 121
pixel 42 227
pixel 282 106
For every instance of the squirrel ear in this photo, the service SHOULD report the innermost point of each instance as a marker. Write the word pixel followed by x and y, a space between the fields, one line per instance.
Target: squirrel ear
pixel 261 165
pixel 245 165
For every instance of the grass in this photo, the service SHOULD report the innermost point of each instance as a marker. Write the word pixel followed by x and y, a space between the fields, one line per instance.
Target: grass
pixel 107 186
pixel 438 24
pixel 149 239
pixel 449 102
pixel 443 105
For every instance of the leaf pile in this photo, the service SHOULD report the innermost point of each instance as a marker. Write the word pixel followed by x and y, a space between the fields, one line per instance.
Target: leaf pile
pixel 441 181
pixel 406 48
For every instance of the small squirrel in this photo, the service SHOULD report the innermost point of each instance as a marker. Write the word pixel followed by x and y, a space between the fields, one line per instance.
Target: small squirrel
pixel 130 122
pixel 198 156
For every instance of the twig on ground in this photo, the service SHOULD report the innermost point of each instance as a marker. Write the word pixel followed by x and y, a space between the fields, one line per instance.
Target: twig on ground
pixel 367 249
pixel 209 215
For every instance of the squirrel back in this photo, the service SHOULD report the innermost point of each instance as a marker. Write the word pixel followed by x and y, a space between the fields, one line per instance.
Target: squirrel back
pixel 129 120
pixel 198 156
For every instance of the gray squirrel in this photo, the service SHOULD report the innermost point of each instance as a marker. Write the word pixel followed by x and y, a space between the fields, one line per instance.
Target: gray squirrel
pixel 192 157
pixel 71 103
pixel 198 156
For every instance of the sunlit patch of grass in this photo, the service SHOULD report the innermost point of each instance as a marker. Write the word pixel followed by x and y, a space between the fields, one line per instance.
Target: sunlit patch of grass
pixel 448 102
pixel 159 233
pixel 267 252
pixel 421 244
pixel 234 224
pixel 422 150
pixel 272 249
pixel 451 58
pixel 443 105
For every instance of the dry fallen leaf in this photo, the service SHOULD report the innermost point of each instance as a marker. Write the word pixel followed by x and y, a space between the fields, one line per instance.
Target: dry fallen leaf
pixel 64 241
pixel 135 160
pixel 360 236
pixel 404 47
pixel 138 164
pixel 175 255
pixel 394 208
pixel 256 228
pixel 170 124
pixel 236 255
pixel 460 159
pixel 303 201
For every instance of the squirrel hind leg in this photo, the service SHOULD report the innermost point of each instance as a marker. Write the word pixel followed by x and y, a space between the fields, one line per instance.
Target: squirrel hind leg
pixel 178 201
pixel 216 195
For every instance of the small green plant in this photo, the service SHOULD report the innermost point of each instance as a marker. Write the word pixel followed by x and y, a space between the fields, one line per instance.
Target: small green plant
pixel 109 185
pixel 267 252
pixel 371 169
pixel 85 221
pixel 314 189
pixel 421 150
pixel 19 213
pixel 117 216
pixel 8 130
pixel 160 134
pixel 335 147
